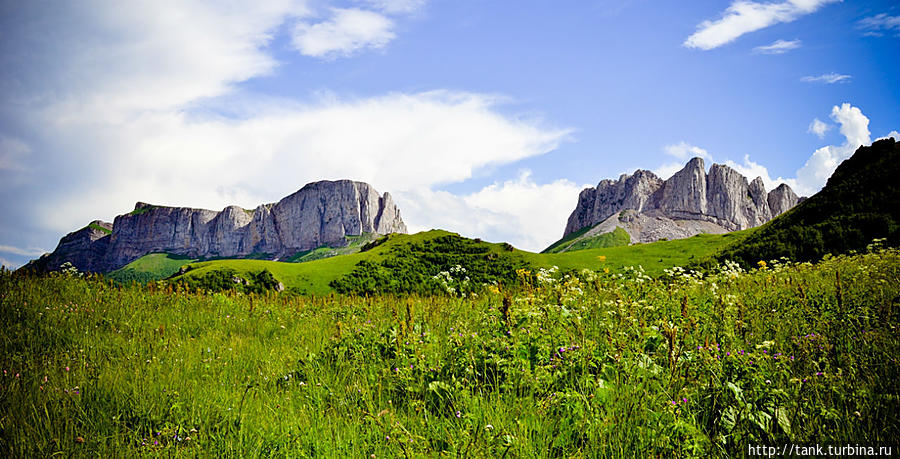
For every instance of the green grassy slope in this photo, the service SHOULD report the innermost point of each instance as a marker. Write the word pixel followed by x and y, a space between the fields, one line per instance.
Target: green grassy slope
pixel 150 267
pixel 355 243
pixel 564 242
pixel 314 277
pixel 860 202
pixel 593 366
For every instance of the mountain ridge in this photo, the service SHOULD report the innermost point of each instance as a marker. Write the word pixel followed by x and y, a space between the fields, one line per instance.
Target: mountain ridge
pixel 320 214
pixel 690 202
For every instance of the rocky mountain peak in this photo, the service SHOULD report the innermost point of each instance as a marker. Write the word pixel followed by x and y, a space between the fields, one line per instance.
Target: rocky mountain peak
pixel 321 213
pixel 716 201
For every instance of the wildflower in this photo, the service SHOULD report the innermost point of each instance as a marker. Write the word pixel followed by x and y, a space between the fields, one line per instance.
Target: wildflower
pixel 67 369
pixel 684 399
pixel 458 414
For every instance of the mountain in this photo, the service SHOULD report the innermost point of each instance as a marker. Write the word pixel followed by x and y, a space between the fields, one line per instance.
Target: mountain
pixel 690 202
pixel 320 214
pixel 859 203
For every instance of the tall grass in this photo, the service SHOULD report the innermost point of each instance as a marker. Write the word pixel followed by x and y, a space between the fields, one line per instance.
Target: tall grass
pixel 588 365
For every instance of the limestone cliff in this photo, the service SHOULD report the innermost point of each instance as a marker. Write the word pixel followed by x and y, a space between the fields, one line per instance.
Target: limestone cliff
pixel 321 213
pixel 690 202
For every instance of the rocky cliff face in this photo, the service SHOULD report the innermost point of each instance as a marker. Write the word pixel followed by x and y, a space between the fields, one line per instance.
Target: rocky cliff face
pixel 721 200
pixel 321 213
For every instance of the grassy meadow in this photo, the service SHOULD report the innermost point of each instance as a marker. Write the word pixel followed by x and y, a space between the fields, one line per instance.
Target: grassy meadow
pixel 313 277
pixel 589 364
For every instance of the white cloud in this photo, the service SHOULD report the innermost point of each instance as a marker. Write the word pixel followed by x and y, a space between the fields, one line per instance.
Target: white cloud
pixel 396 142
pixel 879 24
pixel 102 58
pixel 396 6
pixel 778 47
pixel 828 78
pixel 526 214
pixel 745 16
pixel 685 151
pixel 893 134
pixel 855 129
pixel 347 32
pixel 751 170
pixel 811 177
pixel 139 119
pixel 29 252
pixel 818 127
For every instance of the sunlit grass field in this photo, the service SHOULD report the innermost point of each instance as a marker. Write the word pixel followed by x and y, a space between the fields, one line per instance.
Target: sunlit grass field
pixel 590 365
pixel 314 277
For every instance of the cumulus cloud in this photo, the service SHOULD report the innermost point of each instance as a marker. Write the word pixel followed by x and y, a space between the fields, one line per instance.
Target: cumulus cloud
pixel 891 135
pixel 827 78
pixel 811 177
pixel 522 212
pixel 744 16
pixel 778 47
pixel 818 127
pixel 396 142
pixel 148 125
pixel 855 129
pixel 102 58
pixel 683 151
pixel 348 31
pixel 880 24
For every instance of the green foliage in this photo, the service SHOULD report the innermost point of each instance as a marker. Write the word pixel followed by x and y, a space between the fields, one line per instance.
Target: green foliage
pixel 615 238
pixel 142 210
pixel 100 228
pixel 560 245
pixel 228 280
pixel 860 202
pixel 567 365
pixel 151 267
pixel 315 277
pixel 426 268
pixel 354 244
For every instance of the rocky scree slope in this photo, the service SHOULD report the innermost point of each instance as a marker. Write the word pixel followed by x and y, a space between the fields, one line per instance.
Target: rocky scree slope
pixel 319 214
pixel 692 201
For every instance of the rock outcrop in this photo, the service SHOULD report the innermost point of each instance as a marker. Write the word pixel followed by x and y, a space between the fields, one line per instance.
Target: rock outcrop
pixel 320 214
pixel 692 201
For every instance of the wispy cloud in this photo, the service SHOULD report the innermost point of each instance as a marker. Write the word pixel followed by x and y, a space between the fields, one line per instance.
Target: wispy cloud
pixel 29 252
pixel 396 6
pixel 828 78
pixel 685 151
pixel 748 16
pixel 818 127
pixel 778 47
pixel 880 24
pixel 347 32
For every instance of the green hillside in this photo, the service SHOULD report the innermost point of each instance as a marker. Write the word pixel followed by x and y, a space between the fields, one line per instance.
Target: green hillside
pixel 150 267
pixel 860 202
pixel 381 264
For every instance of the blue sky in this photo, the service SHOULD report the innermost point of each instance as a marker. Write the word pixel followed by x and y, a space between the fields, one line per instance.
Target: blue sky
pixel 482 117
